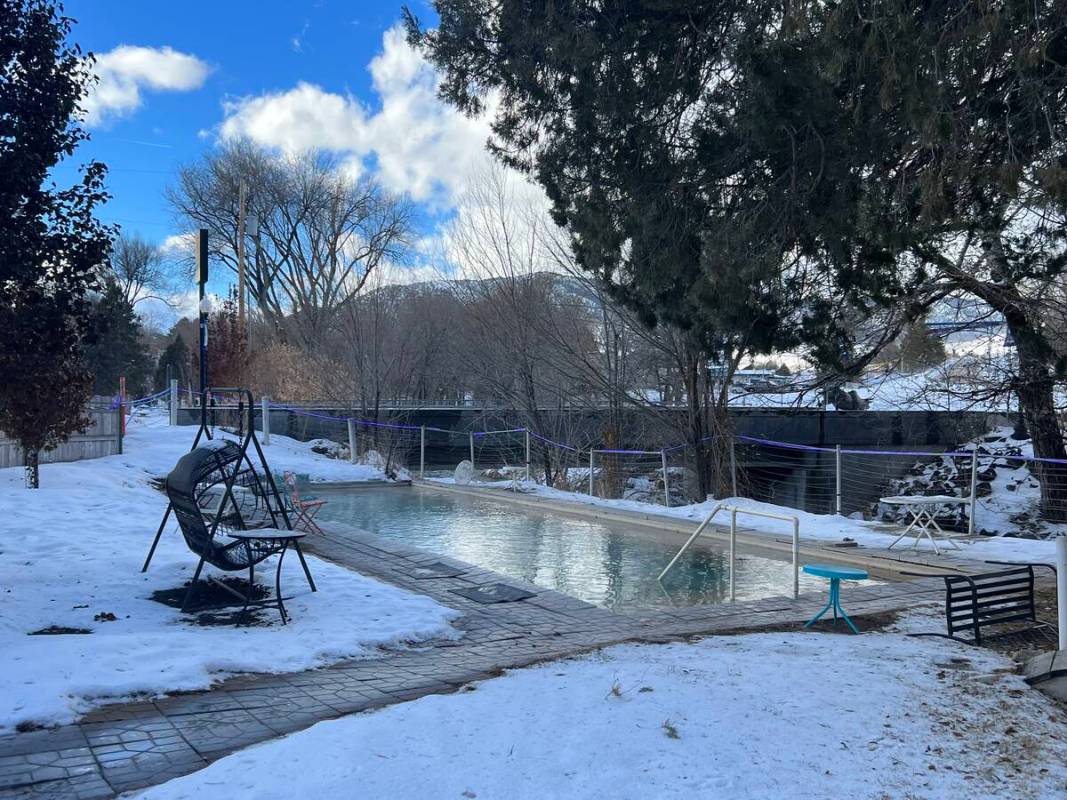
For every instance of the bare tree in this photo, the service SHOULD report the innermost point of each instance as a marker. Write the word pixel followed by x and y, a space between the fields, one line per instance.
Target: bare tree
pixel 320 233
pixel 140 270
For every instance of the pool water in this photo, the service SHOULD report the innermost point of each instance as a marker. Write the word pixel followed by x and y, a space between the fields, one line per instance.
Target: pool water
pixel 601 563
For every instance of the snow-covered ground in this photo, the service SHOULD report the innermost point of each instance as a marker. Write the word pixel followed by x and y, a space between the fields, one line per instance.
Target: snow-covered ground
pixel 1009 495
pixel 71 554
pixel 763 716
pixel 820 527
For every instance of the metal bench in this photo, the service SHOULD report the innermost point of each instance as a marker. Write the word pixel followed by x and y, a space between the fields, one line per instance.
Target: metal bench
pixel 976 602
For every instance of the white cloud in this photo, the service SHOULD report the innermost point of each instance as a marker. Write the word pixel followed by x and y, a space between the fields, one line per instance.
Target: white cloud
pixel 302 118
pixel 125 72
pixel 178 244
pixel 419 145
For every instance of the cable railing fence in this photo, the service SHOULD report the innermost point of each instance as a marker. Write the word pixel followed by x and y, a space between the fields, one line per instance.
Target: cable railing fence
pixel 1001 487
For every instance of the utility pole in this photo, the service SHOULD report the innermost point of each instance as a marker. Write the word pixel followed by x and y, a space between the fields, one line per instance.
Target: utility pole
pixel 253 231
pixel 242 198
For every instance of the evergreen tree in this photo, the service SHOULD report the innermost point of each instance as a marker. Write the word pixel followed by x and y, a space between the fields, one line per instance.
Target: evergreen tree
pixel 607 107
pixel 118 349
pixel 174 362
pixel 777 172
pixel 51 246
pixel 920 349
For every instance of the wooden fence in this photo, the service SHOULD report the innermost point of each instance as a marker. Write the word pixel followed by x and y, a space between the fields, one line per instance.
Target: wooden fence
pixel 102 438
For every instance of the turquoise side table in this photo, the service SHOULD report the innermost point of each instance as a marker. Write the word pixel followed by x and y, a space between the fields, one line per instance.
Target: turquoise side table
pixel 836 575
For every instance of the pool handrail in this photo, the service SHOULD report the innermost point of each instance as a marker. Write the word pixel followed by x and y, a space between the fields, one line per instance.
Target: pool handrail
pixel 734 511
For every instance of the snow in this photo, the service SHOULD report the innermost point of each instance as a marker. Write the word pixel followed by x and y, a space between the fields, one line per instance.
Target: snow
pixel 73 549
pixel 1009 496
pixel 818 527
pixel 755 716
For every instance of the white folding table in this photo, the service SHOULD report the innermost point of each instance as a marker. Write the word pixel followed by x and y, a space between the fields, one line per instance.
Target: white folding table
pixel 922 509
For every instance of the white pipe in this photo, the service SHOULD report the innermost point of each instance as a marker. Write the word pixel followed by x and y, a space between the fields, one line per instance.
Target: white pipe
pixel 974 490
pixel 837 472
pixel 689 541
pixel 265 404
pixel 1061 588
pixel 527 455
pixel 352 455
pixel 591 451
pixel 173 401
pixel 733 554
pixel 796 558
pixel 734 511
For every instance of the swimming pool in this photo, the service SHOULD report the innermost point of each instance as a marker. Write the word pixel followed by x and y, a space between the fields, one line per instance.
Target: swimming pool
pixel 605 564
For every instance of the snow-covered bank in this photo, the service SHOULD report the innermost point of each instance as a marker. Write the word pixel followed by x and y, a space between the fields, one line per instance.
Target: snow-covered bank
pixel 1008 491
pixel 818 527
pixel 70 557
pixel 759 716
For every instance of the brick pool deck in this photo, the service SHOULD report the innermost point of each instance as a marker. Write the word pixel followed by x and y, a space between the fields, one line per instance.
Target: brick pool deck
pixel 129 746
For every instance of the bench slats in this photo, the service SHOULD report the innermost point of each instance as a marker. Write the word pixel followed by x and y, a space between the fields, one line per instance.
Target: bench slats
pixel 995 598
pixel 985 586
pixel 990 615
pixel 986 600
pixel 1022 601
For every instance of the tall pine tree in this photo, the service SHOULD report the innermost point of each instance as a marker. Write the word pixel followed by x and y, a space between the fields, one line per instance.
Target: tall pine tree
pixel 118 350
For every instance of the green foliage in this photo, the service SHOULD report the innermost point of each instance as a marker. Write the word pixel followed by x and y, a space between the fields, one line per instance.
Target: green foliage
pixel 50 244
pixel 606 106
pixel 920 349
pixel 178 358
pixel 118 349
pixel 766 175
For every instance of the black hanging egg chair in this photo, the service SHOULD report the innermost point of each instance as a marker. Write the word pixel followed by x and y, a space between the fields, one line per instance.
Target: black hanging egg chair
pixel 230 516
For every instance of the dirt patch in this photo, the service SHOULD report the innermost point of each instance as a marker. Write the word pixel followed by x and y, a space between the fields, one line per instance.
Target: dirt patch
pixel 210 600
pixel 59 630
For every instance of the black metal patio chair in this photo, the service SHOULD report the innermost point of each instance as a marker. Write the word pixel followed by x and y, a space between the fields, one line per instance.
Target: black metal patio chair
pixel 976 602
pixel 218 500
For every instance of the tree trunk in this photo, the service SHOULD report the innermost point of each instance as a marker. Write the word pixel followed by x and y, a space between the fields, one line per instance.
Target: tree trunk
pixel 1035 389
pixel 32 460
pixel 697 427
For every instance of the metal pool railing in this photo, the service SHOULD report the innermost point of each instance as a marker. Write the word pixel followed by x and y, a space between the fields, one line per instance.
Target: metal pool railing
pixel 734 511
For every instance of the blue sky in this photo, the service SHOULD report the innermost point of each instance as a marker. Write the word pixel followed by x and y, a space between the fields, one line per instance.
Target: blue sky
pixel 176 78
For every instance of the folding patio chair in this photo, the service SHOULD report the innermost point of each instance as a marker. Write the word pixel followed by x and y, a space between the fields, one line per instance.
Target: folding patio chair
pixel 304 510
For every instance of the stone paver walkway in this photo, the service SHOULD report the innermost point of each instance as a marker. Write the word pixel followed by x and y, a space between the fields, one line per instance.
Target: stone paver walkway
pixel 133 745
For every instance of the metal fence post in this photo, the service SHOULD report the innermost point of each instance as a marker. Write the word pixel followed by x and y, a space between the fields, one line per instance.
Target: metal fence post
pixel 591 451
pixel 118 428
pixel 353 456
pixel 733 554
pixel 733 468
pixel 527 455
pixel 472 449
pixel 422 451
pixel 1061 588
pixel 666 480
pixel 796 558
pixel 264 402
pixel 173 401
pixel 122 402
pixel 974 490
pixel 837 476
